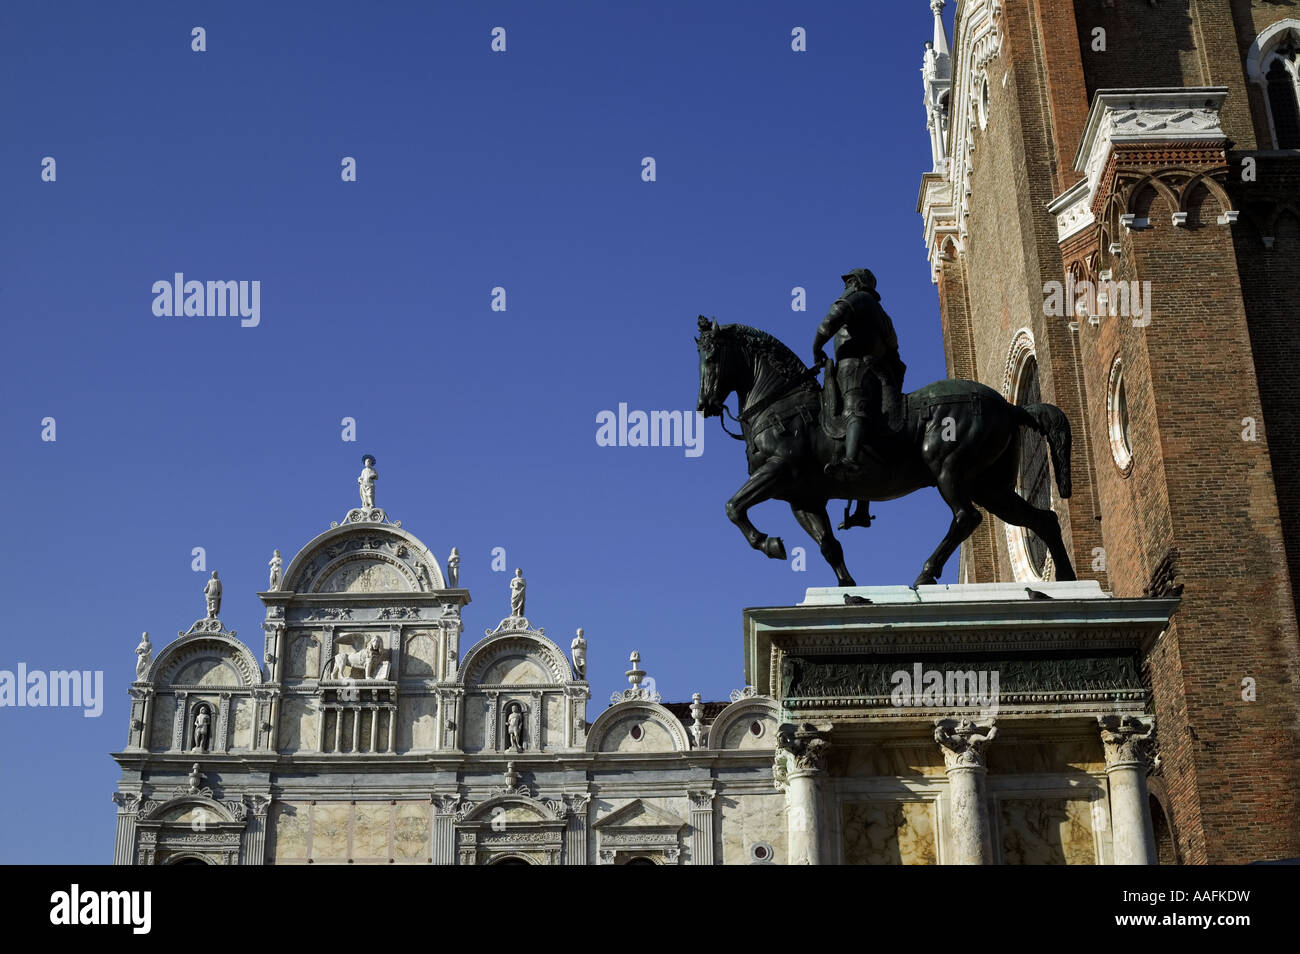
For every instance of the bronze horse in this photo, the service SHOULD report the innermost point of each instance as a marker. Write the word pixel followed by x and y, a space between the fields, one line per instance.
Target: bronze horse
pixel 959 436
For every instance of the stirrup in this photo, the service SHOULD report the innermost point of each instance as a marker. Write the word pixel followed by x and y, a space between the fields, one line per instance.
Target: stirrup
pixel 843 466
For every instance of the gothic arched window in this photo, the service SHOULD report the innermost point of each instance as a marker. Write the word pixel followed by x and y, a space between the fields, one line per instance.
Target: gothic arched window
pixel 1034 482
pixel 1273 63
pixel 1281 79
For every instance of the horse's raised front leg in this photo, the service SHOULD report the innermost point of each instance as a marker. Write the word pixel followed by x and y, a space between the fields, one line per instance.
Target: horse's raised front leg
pixel 758 488
pixel 814 520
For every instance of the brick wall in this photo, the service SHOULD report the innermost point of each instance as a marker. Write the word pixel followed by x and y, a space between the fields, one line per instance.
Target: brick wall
pixel 1222 345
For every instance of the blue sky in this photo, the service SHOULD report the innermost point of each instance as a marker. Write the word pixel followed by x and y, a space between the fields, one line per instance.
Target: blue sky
pixel 475 169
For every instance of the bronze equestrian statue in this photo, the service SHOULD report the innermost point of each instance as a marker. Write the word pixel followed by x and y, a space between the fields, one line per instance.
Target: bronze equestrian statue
pixel 959 436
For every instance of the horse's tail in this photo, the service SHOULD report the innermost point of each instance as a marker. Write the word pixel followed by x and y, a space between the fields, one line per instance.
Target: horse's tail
pixel 1050 421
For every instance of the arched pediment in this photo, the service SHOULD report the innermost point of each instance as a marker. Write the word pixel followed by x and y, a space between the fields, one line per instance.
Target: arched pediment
pixel 516 657
pixel 189 809
pixel 513 809
pixel 364 558
pixel 734 726
pixel 637 727
pixel 206 660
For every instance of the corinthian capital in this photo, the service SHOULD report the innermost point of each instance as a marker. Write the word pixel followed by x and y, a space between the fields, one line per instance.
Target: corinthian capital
pixel 128 803
pixel 963 742
pixel 1127 740
pixel 801 749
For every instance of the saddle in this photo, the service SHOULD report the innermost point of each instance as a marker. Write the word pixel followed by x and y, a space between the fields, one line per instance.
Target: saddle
pixel 834 421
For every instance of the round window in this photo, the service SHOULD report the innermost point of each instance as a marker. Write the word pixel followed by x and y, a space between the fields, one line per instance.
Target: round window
pixel 636 733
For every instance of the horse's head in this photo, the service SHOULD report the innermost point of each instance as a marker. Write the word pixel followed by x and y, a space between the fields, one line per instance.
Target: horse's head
pixel 712 354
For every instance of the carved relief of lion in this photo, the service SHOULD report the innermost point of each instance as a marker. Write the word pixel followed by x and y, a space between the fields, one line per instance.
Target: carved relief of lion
pixel 367 659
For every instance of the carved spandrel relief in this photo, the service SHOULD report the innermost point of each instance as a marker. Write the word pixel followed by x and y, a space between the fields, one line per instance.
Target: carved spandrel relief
pixel 366 577
pixel 516 670
pixel 207 672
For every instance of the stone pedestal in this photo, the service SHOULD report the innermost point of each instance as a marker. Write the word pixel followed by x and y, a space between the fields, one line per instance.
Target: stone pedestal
pixel 888 672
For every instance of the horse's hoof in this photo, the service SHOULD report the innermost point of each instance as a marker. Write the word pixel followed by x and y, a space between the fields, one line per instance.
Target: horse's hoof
pixel 774 548
pixel 924 580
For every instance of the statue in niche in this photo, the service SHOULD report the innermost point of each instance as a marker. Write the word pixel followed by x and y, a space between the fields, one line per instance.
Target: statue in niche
pixel 453 568
pixel 212 593
pixel 515 727
pixel 144 652
pixel 276 565
pixel 367 481
pixel 202 724
pixel 517 588
pixel 578 648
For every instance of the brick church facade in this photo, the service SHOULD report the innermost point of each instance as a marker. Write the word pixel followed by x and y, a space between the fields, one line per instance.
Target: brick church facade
pixel 1113 224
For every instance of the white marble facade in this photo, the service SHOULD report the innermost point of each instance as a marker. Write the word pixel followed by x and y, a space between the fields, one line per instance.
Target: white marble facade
pixel 373 732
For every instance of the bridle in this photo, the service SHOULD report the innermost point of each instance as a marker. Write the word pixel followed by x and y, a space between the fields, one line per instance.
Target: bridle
pixel 748 415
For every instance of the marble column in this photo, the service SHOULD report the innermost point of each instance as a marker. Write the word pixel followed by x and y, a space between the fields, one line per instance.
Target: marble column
pixel 1128 742
pixel 702 827
pixel 255 833
pixel 445 808
pixel 970 839
pixel 575 833
pixel 799 768
pixel 128 807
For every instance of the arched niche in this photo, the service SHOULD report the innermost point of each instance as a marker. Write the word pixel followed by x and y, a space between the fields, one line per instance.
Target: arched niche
pixel 734 726
pixel 364 558
pixel 637 726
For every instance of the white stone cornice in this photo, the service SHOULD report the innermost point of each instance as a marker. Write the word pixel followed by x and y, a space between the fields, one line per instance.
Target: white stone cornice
pixel 1073 210
pixel 940 223
pixel 1118 116
pixel 1171 114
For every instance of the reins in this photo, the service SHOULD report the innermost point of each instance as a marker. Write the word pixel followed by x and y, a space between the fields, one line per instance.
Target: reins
pixel 747 415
